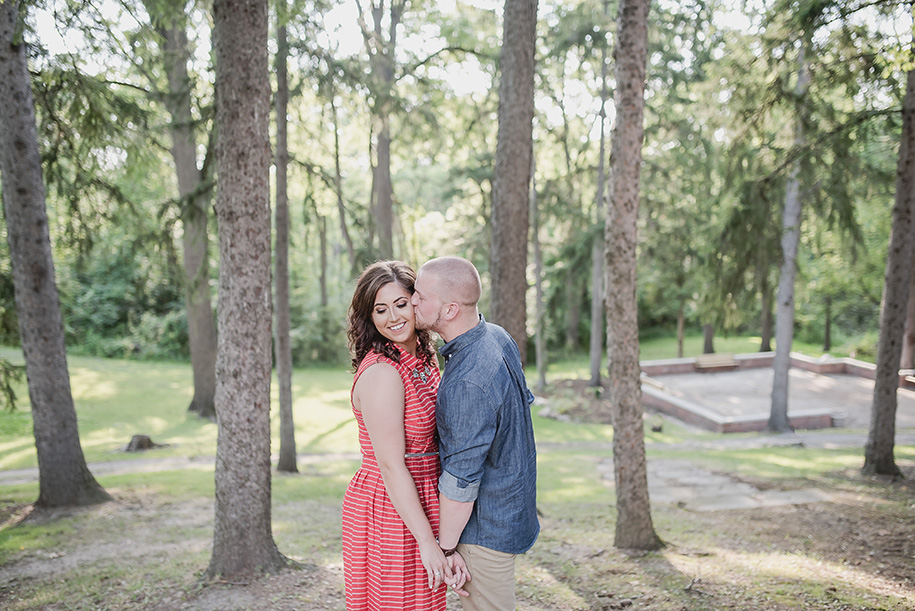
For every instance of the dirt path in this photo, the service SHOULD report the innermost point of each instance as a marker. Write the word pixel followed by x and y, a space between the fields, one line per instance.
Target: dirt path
pixel 149 463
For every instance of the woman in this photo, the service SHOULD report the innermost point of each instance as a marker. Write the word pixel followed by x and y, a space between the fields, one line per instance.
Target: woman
pixel 391 559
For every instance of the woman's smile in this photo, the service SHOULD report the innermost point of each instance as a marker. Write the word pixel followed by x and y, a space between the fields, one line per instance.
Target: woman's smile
pixel 392 314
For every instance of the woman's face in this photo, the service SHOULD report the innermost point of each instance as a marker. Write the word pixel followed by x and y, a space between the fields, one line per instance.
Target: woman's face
pixel 393 313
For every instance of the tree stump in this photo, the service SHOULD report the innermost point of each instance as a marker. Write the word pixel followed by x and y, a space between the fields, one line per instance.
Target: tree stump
pixel 140 442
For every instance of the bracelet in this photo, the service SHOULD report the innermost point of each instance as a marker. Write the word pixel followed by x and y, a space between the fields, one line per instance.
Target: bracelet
pixel 447 552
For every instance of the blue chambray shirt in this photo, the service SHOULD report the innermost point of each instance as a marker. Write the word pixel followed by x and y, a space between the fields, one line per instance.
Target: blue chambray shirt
pixel 486 439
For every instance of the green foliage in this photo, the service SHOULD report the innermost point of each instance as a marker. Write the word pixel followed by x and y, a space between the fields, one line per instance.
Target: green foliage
pixel 718 140
pixel 119 305
pixel 10 375
pixel 88 129
pixel 9 322
pixel 160 336
pixel 863 347
pixel 567 276
pixel 318 336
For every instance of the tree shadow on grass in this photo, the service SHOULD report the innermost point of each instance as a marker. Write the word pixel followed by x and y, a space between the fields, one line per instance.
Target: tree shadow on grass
pixel 855 553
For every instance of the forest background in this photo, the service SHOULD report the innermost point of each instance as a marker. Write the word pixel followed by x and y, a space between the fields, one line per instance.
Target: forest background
pixel 719 145
pixel 397 148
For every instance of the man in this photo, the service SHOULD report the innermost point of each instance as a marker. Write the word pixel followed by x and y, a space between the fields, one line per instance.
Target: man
pixel 487 489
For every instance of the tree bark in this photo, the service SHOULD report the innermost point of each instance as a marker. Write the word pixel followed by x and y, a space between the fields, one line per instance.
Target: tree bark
pixel 634 527
pixel 63 476
pixel 384 199
pixel 878 452
pixel 539 341
pixel 596 338
pixel 765 344
pixel 242 540
pixel 381 59
pixel 512 172
pixel 708 338
pixel 194 196
pixel 791 237
pixel 573 309
pixel 322 277
pixel 282 345
pixel 681 327
pixel 338 189
pixel 371 224
pixel 907 359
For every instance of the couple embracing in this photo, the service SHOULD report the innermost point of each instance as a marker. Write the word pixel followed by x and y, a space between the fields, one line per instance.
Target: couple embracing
pixel 445 495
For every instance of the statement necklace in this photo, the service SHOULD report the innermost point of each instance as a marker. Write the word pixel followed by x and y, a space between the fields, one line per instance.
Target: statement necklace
pixel 422 373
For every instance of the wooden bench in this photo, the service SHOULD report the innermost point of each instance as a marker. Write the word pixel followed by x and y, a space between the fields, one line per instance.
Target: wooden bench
pixel 715 362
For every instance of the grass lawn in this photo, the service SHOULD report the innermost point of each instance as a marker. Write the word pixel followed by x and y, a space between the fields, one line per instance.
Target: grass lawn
pixel 116 399
pixel 149 548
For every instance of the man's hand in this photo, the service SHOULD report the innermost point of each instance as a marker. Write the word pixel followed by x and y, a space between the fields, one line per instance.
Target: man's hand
pixel 460 574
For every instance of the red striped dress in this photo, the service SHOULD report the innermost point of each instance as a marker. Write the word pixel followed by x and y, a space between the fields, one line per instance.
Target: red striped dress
pixel 382 568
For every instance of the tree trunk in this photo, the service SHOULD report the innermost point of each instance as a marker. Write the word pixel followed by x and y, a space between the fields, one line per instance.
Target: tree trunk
pixel 384 199
pixel 63 476
pixel 573 310
pixel 338 189
pixel 681 327
pixel 539 348
pixel 242 539
pixel 312 215
pixel 194 205
pixel 907 360
pixel 634 528
pixel 827 327
pixel 371 222
pixel 878 452
pixel 283 347
pixel 322 278
pixel 596 339
pixel 765 344
pixel 791 237
pixel 512 172
pixel 708 338
pixel 381 53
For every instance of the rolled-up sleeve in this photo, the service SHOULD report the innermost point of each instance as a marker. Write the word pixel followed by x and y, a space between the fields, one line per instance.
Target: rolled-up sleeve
pixel 466 427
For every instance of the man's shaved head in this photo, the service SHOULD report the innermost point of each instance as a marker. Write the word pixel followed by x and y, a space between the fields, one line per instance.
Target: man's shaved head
pixel 457 280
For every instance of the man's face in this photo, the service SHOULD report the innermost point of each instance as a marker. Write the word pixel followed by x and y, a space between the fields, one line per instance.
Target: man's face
pixel 427 306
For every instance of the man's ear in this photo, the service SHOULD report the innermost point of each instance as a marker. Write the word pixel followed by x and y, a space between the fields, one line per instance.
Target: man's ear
pixel 451 311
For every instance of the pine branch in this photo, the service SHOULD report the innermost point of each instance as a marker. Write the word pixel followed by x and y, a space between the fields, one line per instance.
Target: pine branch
pixel 796 153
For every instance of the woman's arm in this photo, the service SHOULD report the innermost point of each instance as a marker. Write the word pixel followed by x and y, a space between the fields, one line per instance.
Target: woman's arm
pixel 379 395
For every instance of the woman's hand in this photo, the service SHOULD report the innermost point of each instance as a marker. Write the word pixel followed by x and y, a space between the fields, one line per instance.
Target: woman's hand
pixel 460 574
pixel 437 566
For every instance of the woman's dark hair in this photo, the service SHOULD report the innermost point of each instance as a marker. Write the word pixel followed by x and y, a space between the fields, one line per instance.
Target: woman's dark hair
pixel 361 332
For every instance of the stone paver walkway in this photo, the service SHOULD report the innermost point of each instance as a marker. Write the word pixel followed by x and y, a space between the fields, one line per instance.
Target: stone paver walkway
pixel 698 489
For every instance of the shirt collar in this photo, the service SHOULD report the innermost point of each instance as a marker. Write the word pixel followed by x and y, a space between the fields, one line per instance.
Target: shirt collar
pixel 449 349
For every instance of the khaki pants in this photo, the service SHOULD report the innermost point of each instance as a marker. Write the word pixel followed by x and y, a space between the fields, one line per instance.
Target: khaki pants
pixel 492 584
